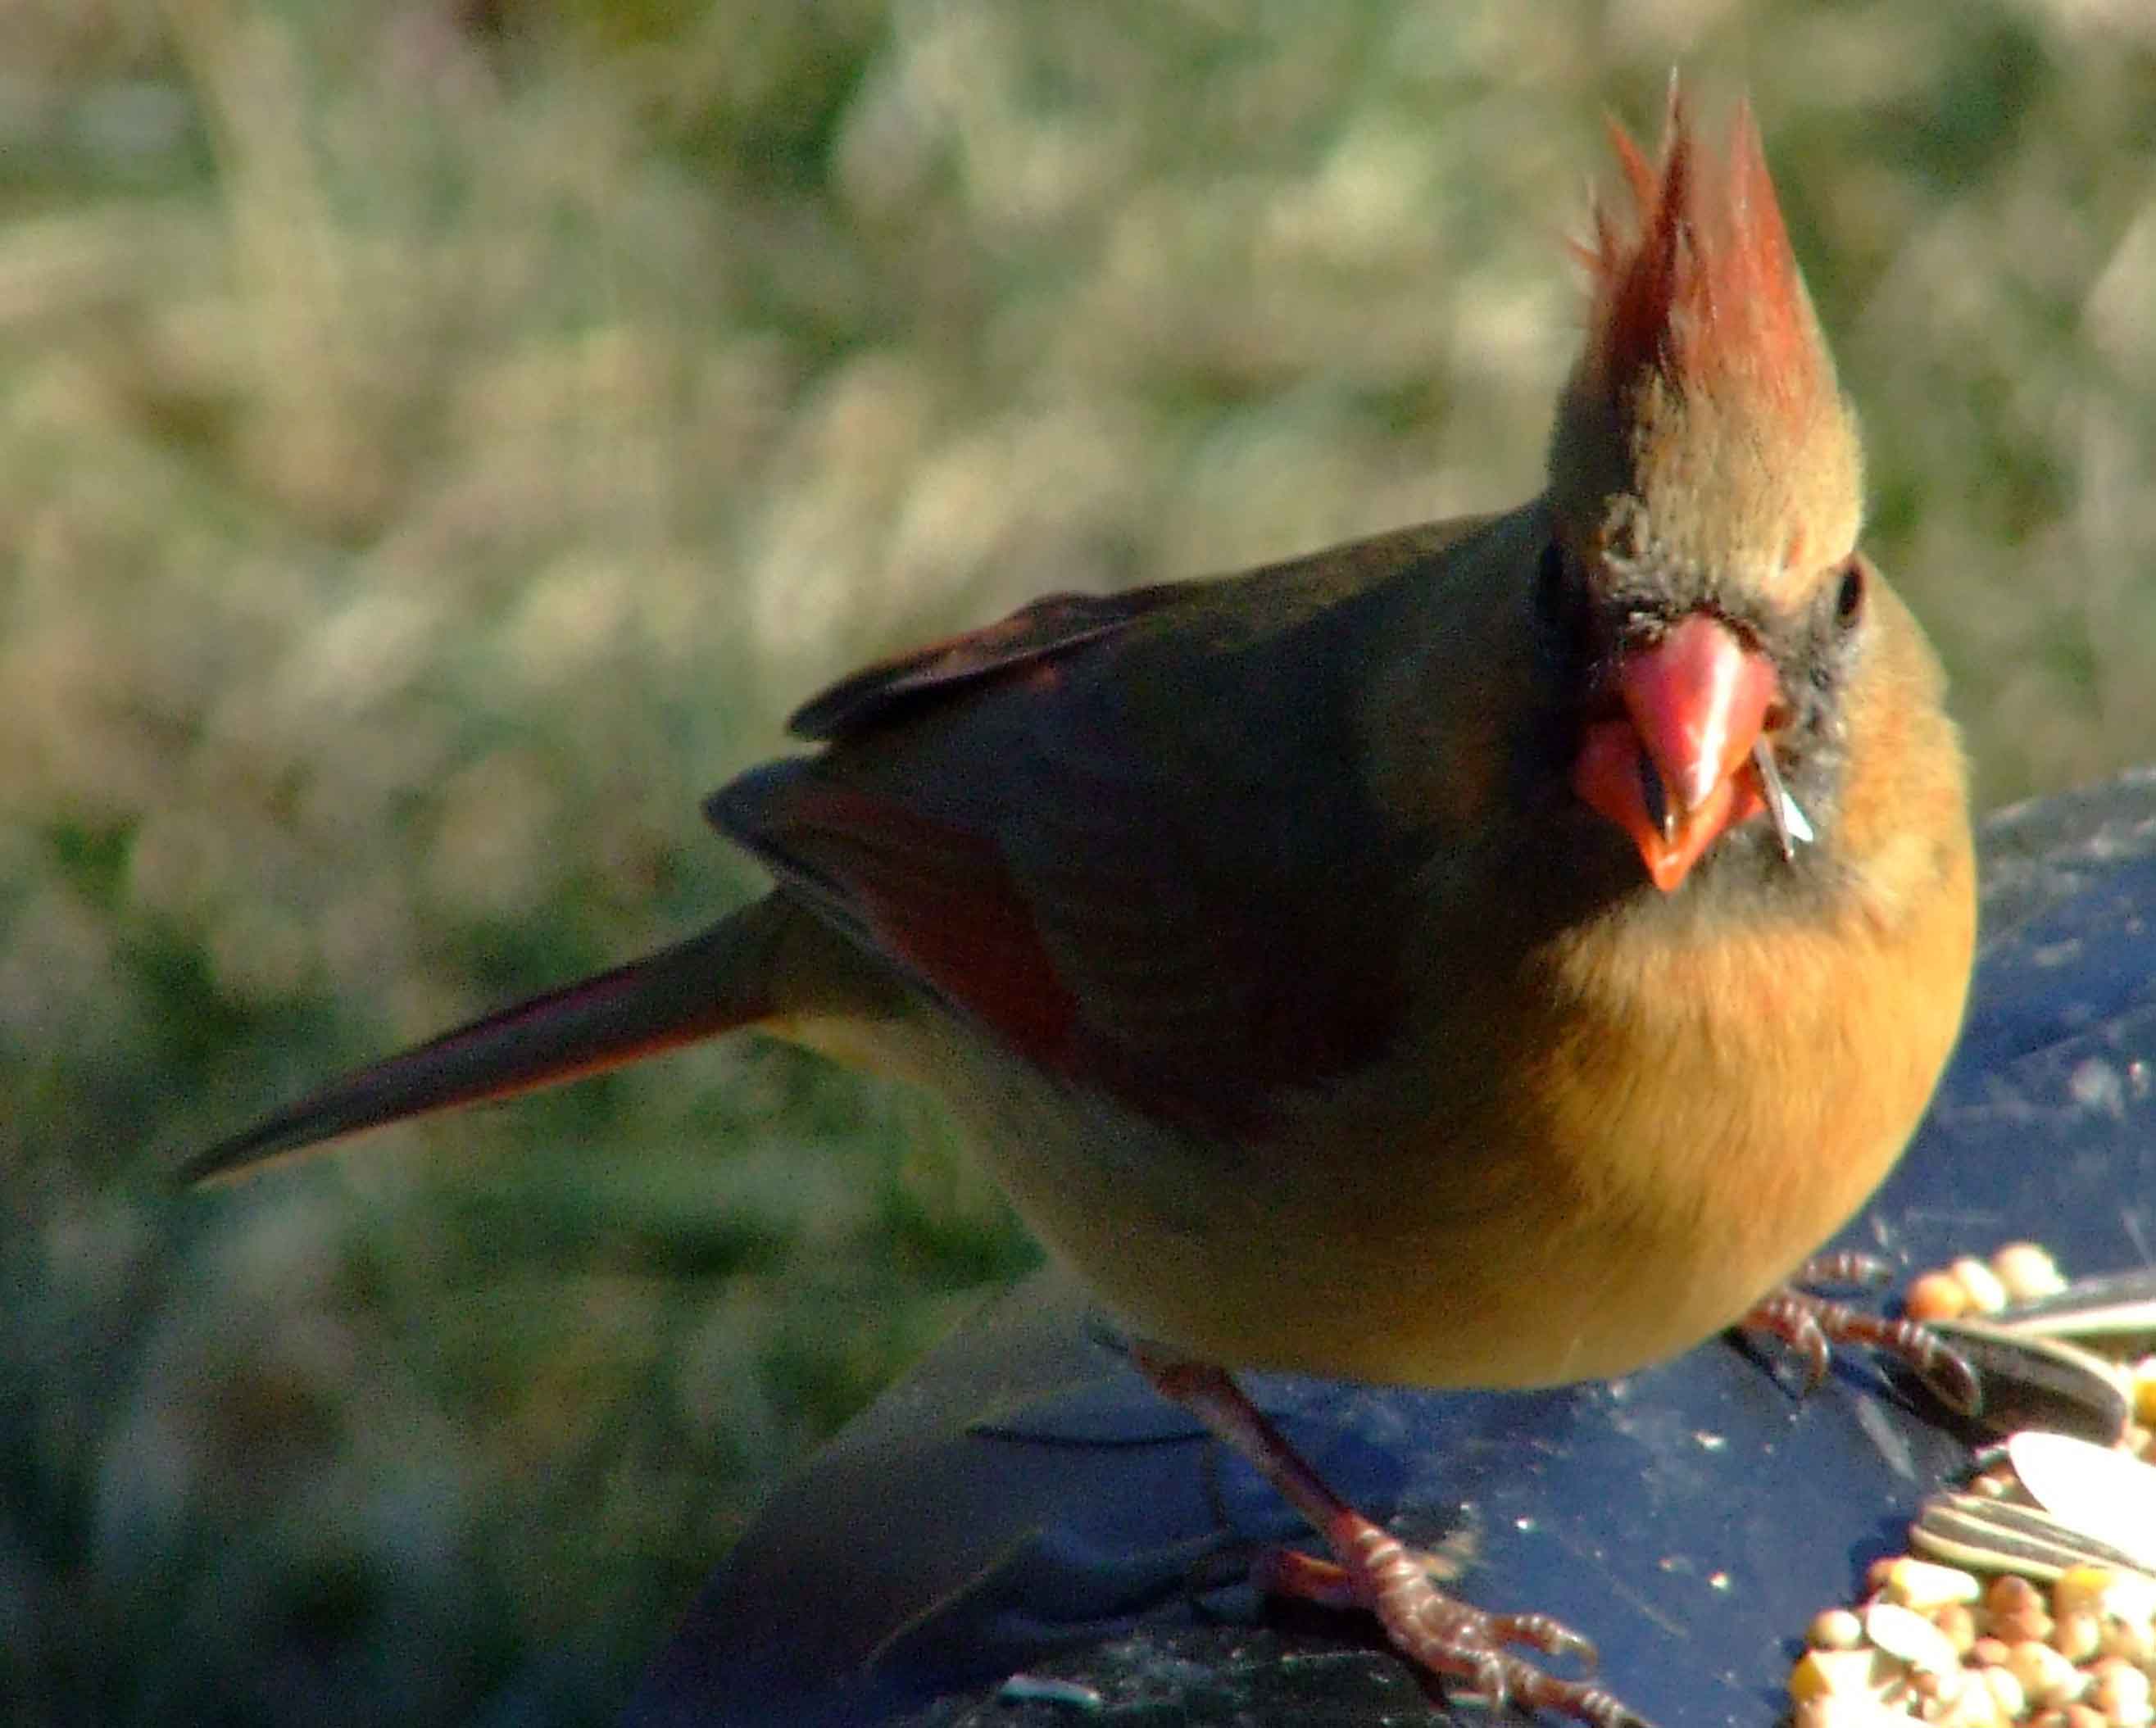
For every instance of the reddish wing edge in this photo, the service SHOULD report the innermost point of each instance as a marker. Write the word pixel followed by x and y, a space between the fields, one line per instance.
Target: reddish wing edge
pixel 693 990
pixel 1047 626
pixel 931 898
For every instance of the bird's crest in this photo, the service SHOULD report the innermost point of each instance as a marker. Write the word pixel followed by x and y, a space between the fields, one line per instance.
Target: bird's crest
pixel 1698 281
pixel 1701 344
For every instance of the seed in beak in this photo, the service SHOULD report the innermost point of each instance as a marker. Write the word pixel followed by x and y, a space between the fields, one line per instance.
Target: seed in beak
pixel 1791 829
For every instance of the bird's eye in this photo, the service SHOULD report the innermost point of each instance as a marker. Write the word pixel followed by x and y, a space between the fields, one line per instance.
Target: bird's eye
pixel 1849 597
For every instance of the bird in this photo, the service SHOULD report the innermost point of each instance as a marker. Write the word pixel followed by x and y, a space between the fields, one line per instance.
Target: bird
pixel 1496 953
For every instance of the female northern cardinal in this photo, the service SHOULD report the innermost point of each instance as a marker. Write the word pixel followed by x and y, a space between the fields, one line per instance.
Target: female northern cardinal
pixel 1493 954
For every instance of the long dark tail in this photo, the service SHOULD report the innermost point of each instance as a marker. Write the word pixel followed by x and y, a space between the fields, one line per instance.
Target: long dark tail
pixel 706 985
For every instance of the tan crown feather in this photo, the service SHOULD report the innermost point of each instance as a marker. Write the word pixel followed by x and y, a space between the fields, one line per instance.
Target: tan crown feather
pixel 1703 424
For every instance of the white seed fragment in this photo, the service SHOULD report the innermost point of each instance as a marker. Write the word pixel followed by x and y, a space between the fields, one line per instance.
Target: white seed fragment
pixel 2101 1493
pixel 2045 1676
pixel 1925 1585
pixel 1974 1705
pixel 1839 1674
pixel 2121 1691
pixel 1905 1633
pixel 1835 1629
pixel 1987 1295
pixel 2027 1271
pixel 2006 1692
pixel 2077 1634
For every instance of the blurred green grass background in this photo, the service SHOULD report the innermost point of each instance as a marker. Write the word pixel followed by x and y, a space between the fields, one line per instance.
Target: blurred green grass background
pixel 439 441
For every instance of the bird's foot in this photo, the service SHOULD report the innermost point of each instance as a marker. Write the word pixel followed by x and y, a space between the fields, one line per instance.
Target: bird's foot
pixel 1446 1638
pixel 1443 1636
pixel 1811 1325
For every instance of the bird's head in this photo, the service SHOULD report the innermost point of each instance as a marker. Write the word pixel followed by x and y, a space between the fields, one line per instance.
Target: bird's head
pixel 1705 479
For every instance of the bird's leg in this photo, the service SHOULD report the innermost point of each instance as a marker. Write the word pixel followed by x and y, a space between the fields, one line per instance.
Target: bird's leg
pixel 1374 1571
pixel 1811 1324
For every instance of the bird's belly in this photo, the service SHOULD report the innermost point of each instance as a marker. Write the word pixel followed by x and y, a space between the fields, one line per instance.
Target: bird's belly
pixel 1433 1267
pixel 1522 1286
pixel 1592 1231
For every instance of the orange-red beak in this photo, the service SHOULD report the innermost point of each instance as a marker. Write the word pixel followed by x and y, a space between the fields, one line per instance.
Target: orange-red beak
pixel 1673 770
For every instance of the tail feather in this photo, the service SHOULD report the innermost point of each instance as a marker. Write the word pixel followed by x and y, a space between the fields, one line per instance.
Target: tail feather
pixel 709 984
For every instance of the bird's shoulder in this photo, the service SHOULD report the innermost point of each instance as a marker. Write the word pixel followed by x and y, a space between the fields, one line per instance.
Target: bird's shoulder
pixel 1193 618
pixel 1134 836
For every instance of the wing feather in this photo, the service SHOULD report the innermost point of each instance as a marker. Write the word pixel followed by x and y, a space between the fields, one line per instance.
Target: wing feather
pixel 1083 864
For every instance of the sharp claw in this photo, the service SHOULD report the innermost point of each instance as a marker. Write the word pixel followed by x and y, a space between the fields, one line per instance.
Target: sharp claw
pixel 1849 1266
pixel 1546 1634
pixel 1954 1382
pixel 1495 1683
pixel 1810 1340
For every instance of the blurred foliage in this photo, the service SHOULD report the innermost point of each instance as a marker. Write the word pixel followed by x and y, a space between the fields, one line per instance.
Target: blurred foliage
pixel 439 440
